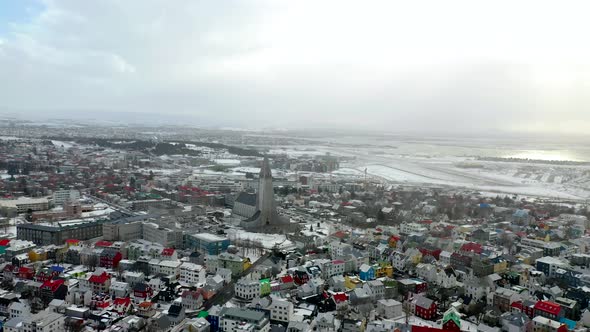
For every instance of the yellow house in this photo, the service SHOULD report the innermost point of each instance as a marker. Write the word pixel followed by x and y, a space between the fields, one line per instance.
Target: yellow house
pixel 352 282
pixel 247 263
pixel 384 270
pixel 414 255
pixel 500 267
pixel 37 255
pixel 393 241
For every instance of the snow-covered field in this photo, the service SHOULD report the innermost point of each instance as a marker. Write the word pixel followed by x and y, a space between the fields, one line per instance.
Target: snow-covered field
pixel 268 241
pixel 65 145
pixel 453 164
pixel 227 162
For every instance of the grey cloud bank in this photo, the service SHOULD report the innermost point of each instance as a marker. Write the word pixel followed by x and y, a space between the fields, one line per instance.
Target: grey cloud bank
pixel 384 65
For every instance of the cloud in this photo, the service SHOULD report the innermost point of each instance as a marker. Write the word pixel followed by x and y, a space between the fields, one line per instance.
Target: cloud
pixel 393 65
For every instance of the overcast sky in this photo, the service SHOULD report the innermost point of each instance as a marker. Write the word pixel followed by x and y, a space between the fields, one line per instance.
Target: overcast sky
pixel 409 65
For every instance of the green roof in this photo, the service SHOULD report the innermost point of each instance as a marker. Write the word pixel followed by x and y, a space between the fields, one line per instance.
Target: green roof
pixel 203 314
pixel 453 315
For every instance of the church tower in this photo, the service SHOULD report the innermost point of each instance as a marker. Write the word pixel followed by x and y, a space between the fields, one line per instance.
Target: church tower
pixel 265 197
pixel 266 218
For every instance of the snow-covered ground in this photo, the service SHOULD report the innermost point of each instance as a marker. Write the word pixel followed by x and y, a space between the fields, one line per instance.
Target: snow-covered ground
pixel 65 145
pixel 268 241
pixel 542 180
pixel 227 162
pixel 453 163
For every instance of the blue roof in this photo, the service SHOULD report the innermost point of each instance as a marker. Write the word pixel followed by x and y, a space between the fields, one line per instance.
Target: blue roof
pixel 570 323
pixel 484 205
pixel 57 268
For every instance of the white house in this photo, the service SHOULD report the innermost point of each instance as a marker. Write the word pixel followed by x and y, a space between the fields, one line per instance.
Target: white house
pixel 281 310
pixel 389 308
pixel 192 274
pixel 246 288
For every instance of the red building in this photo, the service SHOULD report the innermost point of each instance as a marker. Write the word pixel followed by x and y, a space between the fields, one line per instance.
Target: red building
pixel 4 243
pixel 434 252
pixel 72 242
pixel 103 244
pixel 549 310
pixel 100 301
pixel 122 305
pixel 100 282
pixel 53 289
pixel 300 277
pixel 25 273
pixel 340 298
pixel 110 258
pixel 472 247
pixel 168 253
pixel 424 307
pixel 142 291
pixel 287 282
pixel 45 275
pixel 417 328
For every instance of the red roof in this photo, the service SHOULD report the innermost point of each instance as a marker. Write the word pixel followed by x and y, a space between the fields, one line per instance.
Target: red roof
pixel 416 328
pixel 4 242
pixel 338 261
pixel 103 244
pixel 168 252
pixel 286 279
pixel 53 284
pixel 473 247
pixel 72 241
pixel 339 234
pixel 122 301
pixel 146 304
pixel 549 307
pixel 99 279
pixel 24 269
pixel 516 304
pixel 340 297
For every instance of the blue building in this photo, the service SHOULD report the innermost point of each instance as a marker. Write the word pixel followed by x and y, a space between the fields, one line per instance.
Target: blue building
pixel 366 272
pixel 207 243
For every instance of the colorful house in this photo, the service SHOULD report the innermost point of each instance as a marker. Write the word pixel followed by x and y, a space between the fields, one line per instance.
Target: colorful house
pixel 451 320
pixel 110 258
pixel 100 282
pixel 25 272
pixel 122 305
pixel 247 263
pixel 300 276
pixel 265 287
pixel 352 282
pixel 46 274
pixel 103 244
pixel 53 289
pixel 142 291
pixel 424 307
pixel 384 270
pixel 72 242
pixel 287 282
pixel 366 272
pixel 549 310
pixel 37 255
pixel 4 243
pixel 393 240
